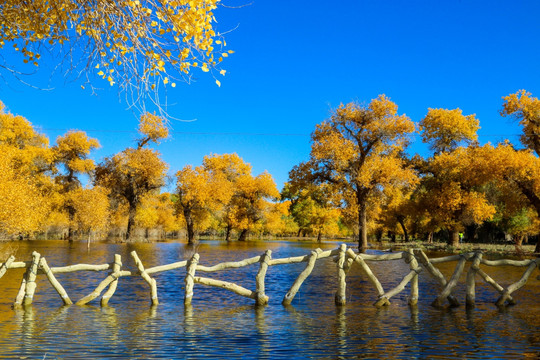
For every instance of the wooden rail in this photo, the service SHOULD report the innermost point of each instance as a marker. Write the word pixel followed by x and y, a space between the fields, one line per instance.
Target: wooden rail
pixel 344 258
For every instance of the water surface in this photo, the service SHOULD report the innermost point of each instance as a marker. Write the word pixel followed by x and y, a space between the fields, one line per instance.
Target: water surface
pixel 221 324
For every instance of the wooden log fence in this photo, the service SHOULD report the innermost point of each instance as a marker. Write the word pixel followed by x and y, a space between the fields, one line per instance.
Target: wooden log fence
pixel 344 258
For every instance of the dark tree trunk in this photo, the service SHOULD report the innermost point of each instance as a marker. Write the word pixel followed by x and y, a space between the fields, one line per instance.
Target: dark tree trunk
pixel 401 220
pixel 319 236
pixel 131 221
pixel 243 235
pixel 228 233
pixel 71 216
pixel 299 233
pixel 537 248
pixel 378 235
pixel 430 237
pixel 189 225
pixel 362 225
pixel 454 238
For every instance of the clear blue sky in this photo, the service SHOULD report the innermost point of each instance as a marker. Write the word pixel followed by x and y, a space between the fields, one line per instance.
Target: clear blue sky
pixel 295 61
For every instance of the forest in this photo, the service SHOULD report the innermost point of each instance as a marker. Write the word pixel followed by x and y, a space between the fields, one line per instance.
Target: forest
pixel 359 182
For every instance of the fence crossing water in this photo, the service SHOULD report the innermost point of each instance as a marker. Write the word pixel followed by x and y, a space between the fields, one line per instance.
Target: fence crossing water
pixel 344 258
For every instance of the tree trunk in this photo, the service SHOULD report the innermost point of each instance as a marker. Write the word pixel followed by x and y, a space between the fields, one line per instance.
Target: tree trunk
pixel 71 216
pixel 454 238
pixel 537 248
pixel 228 233
pixel 319 236
pixel 243 235
pixel 189 225
pixel 430 237
pixel 362 225
pixel 131 221
pixel 299 233
pixel 401 220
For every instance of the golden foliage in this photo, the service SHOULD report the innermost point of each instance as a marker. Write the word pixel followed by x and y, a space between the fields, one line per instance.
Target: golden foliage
pixel 152 128
pixel 91 209
pixel 445 129
pixel 526 109
pixel 139 44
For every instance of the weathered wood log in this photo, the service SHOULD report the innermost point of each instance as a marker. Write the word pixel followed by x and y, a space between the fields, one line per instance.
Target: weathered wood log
pixel 341 293
pixel 117 266
pixel 81 267
pixel 190 274
pixel 151 282
pixel 444 259
pixel 19 265
pixel 237 289
pixel 384 300
pixel 161 268
pixel 494 284
pixel 505 262
pixel 22 289
pixel 383 257
pixel 303 258
pixel 451 284
pixel 261 298
pixel 5 266
pixel 102 285
pixel 287 300
pixel 360 261
pixel 435 273
pixel 229 265
pixel 470 296
pixel 413 265
pixel 55 284
pixel 31 280
pixel 517 285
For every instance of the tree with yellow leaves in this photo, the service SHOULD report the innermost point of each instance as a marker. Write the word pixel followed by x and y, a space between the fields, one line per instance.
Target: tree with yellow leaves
pixel 91 210
pixel 357 151
pixel 141 45
pixel 135 172
pixel 26 187
pixel 194 197
pixel 71 151
pixel 248 204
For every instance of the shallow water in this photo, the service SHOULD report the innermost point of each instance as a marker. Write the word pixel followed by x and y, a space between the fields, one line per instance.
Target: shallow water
pixel 221 324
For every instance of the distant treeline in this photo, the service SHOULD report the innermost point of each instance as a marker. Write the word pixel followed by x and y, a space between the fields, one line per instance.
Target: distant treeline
pixel 358 182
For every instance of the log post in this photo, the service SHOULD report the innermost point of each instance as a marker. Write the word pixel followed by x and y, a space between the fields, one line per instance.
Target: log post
pixel 358 259
pixel 341 293
pixel 494 284
pixel 517 285
pixel 413 265
pixel 190 274
pixel 287 300
pixel 117 266
pixel 471 278
pixel 451 284
pixel 102 285
pixel 436 273
pixel 55 284
pixel 31 280
pixel 22 289
pixel 5 266
pixel 262 299
pixel 147 278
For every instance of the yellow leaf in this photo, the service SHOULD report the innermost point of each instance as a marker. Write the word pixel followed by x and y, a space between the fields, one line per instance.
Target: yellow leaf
pixel 222 72
pixel 218 83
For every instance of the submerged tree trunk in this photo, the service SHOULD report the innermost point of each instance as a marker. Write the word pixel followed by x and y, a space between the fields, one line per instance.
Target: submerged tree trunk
pixel 228 233
pixel 131 221
pixel 362 224
pixel 189 225
pixel 243 235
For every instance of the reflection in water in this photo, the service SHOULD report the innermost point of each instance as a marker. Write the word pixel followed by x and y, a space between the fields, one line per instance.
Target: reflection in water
pixel 220 324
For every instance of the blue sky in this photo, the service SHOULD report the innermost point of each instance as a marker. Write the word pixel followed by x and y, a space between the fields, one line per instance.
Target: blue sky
pixel 295 61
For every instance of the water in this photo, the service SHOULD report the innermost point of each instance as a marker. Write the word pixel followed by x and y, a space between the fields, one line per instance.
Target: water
pixel 221 324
